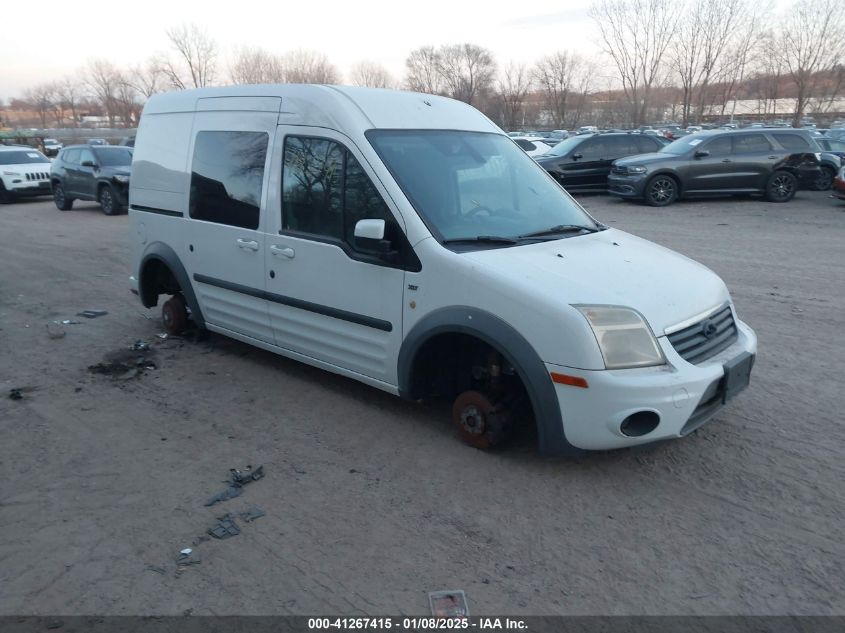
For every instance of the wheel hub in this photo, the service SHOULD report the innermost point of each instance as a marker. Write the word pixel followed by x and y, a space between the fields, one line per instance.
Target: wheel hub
pixel 472 420
pixel 480 422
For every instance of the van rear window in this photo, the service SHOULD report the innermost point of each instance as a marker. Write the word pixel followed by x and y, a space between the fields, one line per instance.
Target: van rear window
pixel 227 177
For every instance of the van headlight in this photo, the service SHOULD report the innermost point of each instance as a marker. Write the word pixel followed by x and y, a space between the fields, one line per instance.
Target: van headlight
pixel 11 173
pixel 637 169
pixel 121 178
pixel 624 337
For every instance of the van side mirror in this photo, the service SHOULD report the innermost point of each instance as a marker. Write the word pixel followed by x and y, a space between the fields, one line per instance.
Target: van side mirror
pixel 369 236
pixel 577 156
pixel 702 153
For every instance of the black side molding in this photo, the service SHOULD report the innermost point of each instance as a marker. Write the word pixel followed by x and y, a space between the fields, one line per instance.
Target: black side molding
pixel 343 315
pixel 175 214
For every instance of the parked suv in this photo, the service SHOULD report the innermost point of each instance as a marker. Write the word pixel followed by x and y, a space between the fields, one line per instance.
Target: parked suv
pixel 404 241
pixel 51 146
pixel 582 163
pixel 86 172
pixel 722 162
pixel 24 171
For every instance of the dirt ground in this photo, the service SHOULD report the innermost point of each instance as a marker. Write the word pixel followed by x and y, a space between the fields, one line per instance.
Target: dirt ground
pixel 371 502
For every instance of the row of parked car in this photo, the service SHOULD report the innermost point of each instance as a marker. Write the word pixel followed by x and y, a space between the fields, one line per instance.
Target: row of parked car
pixel 97 172
pixel 774 162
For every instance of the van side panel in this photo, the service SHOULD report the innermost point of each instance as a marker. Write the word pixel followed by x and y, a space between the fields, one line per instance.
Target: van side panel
pixel 159 178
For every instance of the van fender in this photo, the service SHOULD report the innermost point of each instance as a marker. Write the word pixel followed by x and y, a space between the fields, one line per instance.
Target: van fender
pixel 512 345
pixel 165 254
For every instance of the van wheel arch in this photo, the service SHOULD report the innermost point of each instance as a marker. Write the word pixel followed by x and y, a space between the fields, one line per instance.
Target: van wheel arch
pixel 501 337
pixel 161 273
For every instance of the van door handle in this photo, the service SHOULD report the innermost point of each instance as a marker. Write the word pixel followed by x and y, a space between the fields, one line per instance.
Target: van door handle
pixel 772 156
pixel 247 245
pixel 727 160
pixel 282 251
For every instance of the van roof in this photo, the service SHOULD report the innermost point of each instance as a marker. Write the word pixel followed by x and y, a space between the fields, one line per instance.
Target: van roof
pixel 339 107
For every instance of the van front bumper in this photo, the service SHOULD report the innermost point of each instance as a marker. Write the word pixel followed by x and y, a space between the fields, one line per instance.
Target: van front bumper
pixel 683 396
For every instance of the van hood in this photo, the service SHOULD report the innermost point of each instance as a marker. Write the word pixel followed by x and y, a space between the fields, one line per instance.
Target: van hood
pixel 611 268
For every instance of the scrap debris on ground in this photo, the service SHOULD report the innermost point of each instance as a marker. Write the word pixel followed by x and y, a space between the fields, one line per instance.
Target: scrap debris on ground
pixel 125 364
pixel 92 314
pixel 238 478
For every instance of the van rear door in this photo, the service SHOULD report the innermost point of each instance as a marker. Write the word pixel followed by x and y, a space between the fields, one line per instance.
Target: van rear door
pixel 226 235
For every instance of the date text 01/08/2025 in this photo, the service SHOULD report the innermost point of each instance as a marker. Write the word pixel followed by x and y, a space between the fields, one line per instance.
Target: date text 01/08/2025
pixel 416 624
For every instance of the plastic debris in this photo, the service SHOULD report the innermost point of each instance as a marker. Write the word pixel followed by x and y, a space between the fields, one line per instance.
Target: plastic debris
pixel 225 528
pixel 15 394
pixel 140 346
pixel 230 493
pixel 183 560
pixel 70 322
pixel 187 550
pixel 163 336
pixel 241 477
pixel 92 314
pixel 238 478
pixel 448 604
pixel 252 514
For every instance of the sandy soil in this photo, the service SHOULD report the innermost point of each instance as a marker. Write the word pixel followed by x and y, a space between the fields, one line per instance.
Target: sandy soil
pixel 371 502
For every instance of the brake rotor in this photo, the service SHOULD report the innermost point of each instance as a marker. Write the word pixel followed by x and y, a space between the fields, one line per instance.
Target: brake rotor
pixel 481 423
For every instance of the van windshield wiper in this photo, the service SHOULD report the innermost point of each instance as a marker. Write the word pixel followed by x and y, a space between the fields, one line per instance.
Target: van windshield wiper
pixel 561 228
pixel 491 239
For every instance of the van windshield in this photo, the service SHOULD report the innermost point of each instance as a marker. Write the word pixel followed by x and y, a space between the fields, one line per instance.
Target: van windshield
pixel 469 185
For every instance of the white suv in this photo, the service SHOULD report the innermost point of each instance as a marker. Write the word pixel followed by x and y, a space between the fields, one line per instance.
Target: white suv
pixel 403 240
pixel 24 171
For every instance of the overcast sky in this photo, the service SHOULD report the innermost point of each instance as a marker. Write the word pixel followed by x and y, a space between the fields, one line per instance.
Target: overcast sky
pixel 60 36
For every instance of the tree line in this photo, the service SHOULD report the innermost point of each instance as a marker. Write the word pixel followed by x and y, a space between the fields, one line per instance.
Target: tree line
pixel 660 59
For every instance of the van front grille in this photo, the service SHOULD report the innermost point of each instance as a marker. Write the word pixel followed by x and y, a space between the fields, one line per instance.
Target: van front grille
pixel 37 175
pixel 705 339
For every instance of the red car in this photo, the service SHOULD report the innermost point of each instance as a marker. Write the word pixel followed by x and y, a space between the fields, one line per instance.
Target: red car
pixel 839 185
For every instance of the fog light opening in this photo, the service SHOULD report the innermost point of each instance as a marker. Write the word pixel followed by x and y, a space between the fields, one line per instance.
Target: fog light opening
pixel 639 423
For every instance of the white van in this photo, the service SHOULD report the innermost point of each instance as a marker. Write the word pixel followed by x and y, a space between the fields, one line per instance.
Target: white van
pixel 403 240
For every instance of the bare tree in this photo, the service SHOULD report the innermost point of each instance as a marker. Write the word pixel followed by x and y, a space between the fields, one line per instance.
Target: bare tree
pixel 196 57
pixel 42 98
pixel 69 92
pixel 513 87
pixel 309 67
pixel 565 80
pixel 146 79
pixel 371 74
pixel 811 44
pixel 698 50
pixel 423 66
pixel 636 34
pixel 467 71
pixel 255 65
pixel 103 81
pixel 744 52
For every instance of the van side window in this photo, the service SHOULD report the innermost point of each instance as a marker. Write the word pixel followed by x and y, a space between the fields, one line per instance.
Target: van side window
pixel 227 176
pixel 312 186
pixel 326 191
